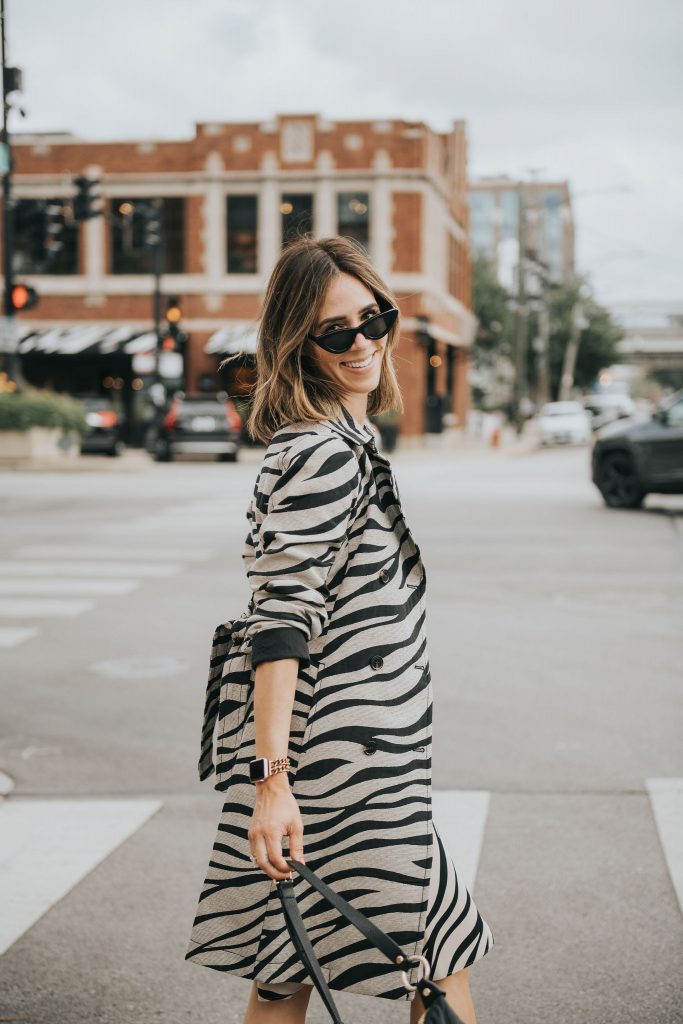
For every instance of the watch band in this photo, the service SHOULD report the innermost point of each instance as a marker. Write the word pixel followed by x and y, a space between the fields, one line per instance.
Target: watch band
pixel 261 767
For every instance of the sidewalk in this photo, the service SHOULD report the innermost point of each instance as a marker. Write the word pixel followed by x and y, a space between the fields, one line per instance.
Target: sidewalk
pixel 455 441
pixel 137 460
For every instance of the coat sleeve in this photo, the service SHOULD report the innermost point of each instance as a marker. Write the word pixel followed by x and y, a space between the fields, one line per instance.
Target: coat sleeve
pixel 309 513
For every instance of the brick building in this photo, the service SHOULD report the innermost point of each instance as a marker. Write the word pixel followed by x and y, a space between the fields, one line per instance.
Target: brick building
pixel 231 196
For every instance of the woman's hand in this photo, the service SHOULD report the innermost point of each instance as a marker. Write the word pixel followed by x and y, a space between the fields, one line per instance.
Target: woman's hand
pixel 276 814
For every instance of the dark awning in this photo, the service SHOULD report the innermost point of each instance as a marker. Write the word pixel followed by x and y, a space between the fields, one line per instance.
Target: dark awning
pixel 88 339
pixel 238 336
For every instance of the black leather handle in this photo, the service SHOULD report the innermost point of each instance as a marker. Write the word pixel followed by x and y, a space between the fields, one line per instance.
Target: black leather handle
pixel 303 946
pixel 384 943
pixel 433 997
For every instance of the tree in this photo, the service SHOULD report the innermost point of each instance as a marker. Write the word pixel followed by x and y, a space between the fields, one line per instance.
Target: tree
pixel 598 338
pixel 568 303
pixel 495 333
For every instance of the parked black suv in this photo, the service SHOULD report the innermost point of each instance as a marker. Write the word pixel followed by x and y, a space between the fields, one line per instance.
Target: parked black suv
pixel 630 460
pixel 197 424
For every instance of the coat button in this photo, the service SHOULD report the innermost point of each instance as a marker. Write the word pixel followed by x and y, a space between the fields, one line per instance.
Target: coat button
pixel 376 661
pixel 383 575
pixel 370 747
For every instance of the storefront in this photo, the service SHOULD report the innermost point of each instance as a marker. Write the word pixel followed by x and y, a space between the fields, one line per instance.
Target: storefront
pixel 92 360
pixel 237 377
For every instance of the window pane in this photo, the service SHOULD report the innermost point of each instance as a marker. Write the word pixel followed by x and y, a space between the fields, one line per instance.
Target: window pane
pixel 297 215
pixel 553 233
pixel 482 225
pixel 509 202
pixel 129 253
pixel 242 234
pixel 43 242
pixel 353 216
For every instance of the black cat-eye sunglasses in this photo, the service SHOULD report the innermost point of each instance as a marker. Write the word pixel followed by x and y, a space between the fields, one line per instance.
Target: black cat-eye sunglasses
pixel 374 328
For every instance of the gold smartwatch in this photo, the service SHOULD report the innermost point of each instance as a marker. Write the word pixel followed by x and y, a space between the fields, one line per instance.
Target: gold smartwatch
pixel 261 767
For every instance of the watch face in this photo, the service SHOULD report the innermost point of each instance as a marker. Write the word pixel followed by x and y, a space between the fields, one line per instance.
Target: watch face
pixel 258 769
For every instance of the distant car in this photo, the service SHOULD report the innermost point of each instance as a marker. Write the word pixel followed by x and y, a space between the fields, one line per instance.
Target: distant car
pixel 607 407
pixel 201 425
pixel 103 434
pixel 630 460
pixel 564 423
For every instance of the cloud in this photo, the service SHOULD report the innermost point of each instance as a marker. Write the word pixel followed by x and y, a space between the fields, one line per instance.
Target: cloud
pixel 588 91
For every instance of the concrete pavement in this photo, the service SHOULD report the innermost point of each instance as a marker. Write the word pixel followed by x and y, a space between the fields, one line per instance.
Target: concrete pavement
pixel 555 647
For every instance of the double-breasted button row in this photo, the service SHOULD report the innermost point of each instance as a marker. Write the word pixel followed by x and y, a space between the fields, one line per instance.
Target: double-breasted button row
pixel 376 661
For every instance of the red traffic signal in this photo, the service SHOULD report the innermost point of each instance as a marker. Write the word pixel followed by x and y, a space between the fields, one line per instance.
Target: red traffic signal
pixel 23 297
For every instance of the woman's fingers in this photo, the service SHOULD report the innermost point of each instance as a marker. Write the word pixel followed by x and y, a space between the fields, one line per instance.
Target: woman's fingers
pixel 296 842
pixel 259 851
pixel 277 861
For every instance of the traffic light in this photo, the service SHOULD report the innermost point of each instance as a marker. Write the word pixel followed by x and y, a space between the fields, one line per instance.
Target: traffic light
pixel 23 297
pixel 174 312
pixel 152 226
pixel 84 199
pixel 174 334
pixel 54 228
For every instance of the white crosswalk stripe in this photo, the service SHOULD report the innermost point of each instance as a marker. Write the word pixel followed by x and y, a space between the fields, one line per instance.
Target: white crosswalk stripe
pixel 84 831
pixel 45 580
pixel 460 817
pixel 103 552
pixel 86 588
pixel 11 636
pixel 42 607
pixel 127 569
pixel 666 797
pixel 48 846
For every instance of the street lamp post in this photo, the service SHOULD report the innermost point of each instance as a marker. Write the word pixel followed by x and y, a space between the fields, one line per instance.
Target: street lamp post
pixel 11 82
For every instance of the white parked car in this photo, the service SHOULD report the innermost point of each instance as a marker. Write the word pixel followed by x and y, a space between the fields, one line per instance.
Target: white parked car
pixel 607 407
pixel 564 423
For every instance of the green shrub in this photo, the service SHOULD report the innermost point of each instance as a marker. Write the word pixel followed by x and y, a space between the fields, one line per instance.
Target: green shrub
pixel 34 408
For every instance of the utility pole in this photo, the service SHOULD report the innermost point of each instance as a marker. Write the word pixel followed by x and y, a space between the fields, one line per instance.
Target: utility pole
pixel 520 310
pixel 578 324
pixel 543 351
pixel 9 323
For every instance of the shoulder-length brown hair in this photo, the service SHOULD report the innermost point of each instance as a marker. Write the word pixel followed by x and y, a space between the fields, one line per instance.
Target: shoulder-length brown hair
pixel 289 387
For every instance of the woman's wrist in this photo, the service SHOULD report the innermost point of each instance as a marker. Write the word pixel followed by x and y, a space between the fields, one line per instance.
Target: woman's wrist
pixel 277 782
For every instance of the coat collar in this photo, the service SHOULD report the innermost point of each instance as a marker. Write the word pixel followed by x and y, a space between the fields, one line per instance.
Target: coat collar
pixel 346 425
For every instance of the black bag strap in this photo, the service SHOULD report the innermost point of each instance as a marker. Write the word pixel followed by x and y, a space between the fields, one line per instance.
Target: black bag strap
pixel 303 946
pixel 433 997
pixel 384 943
pixel 302 943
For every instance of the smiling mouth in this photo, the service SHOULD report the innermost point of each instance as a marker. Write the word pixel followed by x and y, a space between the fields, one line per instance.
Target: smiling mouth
pixel 359 364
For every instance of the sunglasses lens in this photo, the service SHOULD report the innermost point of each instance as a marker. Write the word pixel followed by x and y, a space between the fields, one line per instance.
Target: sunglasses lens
pixel 378 327
pixel 341 342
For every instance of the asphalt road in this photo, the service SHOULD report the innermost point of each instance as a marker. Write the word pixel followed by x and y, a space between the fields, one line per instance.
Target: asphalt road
pixel 556 651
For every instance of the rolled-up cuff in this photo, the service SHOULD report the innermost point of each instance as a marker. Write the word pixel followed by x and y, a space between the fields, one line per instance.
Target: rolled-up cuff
pixel 280 642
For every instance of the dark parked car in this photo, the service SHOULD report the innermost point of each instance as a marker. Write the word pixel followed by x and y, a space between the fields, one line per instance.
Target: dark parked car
pixel 103 434
pixel 630 460
pixel 202 425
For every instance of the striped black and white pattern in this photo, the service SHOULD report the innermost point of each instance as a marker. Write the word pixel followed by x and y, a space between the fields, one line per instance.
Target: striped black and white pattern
pixel 329 554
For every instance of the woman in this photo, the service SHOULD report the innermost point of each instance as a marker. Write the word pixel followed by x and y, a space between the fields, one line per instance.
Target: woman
pixel 326 680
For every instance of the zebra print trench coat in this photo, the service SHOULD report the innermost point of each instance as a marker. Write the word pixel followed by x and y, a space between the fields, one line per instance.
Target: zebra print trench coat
pixel 329 554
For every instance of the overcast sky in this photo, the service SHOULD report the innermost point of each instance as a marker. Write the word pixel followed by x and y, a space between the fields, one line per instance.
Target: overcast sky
pixel 591 91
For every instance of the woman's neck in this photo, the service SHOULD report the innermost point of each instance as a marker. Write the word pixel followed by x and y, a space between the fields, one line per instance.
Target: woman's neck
pixel 358 412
